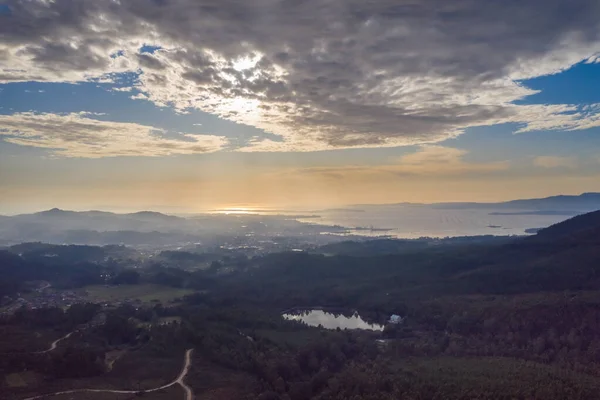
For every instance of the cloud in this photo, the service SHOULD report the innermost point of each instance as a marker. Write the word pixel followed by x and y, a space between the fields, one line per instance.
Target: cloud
pixel 439 160
pixel 434 155
pixel 428 161
pixel 555 162
pixel 139 96
pixel 561 117
pixel 320 75
pixel 77 135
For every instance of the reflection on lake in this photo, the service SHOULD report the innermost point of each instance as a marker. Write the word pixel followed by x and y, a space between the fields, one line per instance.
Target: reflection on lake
pixel 332 321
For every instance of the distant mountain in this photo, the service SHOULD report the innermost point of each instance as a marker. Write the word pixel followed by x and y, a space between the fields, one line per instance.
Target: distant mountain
pixel 583 202
pixel 58 213
pixel 53 213
pixel 553 205
pixel 153 216
pixel 144 228
pixel 95 227
pixel 565 213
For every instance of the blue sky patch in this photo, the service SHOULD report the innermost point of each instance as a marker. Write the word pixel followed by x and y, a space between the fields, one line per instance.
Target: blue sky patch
pixel 579 84
pixel 149 49
pixel 119 107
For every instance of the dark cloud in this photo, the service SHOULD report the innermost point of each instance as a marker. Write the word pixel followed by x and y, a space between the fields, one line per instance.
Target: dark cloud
pixel 150 62
pixel 320 73
pixel 201 77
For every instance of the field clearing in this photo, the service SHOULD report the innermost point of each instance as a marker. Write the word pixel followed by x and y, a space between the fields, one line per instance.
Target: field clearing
pixel 111 357
pixel 22 379
pixel 146 293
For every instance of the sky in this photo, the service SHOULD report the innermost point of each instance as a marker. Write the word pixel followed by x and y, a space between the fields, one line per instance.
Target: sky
pixel 188 105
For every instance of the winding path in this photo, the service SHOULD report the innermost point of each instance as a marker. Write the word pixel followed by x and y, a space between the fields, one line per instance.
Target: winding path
pixel 55 343
pixel 52 347
pixel 189 395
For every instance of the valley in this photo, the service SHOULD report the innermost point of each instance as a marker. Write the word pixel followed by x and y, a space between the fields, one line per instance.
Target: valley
pixel 512 317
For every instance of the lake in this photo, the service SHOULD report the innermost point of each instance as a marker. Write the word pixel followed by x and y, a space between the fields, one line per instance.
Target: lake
pixel 332 321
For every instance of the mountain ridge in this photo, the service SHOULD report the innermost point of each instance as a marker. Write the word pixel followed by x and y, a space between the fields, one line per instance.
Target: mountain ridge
pixel 587 201
pixel 53 212
pixel 582 228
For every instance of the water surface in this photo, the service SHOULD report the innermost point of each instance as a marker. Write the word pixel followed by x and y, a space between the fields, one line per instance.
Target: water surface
pixel 413 222
pixel 332 321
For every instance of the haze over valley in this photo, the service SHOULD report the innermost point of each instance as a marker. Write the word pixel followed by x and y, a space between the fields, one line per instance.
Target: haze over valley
pixel 280 230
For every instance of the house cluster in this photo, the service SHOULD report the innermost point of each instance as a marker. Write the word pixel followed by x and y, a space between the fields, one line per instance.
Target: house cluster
pixel 42 300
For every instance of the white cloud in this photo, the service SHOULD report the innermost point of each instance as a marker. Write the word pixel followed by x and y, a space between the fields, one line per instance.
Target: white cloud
pixel 320 75
pixel 76 135
pixel 139 96
pixel 555 162
pixel 559 117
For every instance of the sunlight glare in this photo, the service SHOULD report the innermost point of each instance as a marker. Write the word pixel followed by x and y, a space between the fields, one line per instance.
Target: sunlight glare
pixel 237 210
pixel 246 62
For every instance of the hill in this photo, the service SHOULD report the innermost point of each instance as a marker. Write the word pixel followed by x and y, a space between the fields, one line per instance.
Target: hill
pixel 95 227
pixel 371 275
pixel 54 213
pixel 565 256
pixel 584 202
pixel 580 229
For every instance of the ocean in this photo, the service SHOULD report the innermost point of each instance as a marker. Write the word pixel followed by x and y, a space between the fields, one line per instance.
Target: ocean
pixel 423 221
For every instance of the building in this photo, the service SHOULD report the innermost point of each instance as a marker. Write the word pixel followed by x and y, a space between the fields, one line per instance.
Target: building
pixel 396 319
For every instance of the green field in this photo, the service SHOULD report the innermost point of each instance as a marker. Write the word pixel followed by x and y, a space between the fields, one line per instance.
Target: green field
pixel 22 379
pixel 147 293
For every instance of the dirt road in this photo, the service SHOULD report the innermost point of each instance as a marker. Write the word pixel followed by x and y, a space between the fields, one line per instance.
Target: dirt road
pixel 55 343
pixel 189 395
